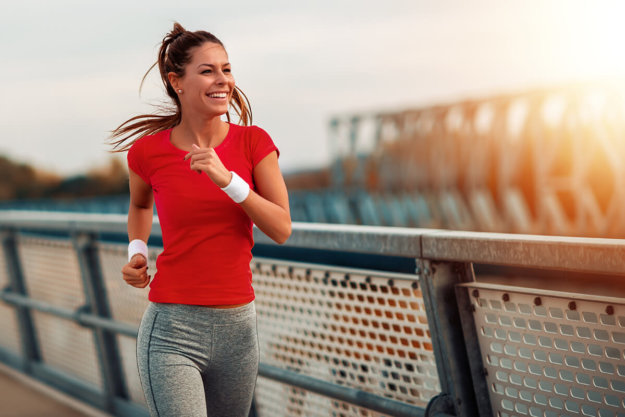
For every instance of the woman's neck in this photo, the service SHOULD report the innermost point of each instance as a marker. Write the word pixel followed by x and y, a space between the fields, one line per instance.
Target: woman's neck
pixel 202 132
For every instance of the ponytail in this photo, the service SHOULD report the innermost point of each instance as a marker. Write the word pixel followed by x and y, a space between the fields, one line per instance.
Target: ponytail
pixel 241 105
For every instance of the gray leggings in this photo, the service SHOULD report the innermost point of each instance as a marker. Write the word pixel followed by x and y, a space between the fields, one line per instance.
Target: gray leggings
pixel 198 361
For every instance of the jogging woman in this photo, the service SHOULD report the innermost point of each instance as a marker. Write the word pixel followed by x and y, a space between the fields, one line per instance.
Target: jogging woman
pixel 197 348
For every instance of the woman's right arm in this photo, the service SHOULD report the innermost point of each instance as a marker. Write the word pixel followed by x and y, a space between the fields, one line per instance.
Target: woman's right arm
pixel 139 225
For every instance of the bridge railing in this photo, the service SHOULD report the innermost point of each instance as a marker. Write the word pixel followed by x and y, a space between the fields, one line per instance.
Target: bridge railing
pixel 352 320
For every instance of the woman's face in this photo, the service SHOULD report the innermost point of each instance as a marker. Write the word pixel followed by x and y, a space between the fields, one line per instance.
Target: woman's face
pixel 208 83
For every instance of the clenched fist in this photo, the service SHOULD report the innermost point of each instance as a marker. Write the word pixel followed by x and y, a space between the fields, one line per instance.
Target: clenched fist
pixel 206 160
pixel 136 272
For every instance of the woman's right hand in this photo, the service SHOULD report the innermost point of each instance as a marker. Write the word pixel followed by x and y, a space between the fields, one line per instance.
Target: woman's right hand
pixel 136 272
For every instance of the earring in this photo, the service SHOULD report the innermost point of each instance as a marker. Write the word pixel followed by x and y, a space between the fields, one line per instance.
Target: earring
pixel 179 91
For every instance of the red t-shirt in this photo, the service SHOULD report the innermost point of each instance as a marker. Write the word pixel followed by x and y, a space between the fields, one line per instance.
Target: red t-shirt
pixel 207 237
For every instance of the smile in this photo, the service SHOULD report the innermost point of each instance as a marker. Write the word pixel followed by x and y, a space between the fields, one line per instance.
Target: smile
pixel 218 95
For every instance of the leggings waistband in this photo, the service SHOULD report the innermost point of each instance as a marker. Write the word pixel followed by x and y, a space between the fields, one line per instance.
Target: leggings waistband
pixel 204 314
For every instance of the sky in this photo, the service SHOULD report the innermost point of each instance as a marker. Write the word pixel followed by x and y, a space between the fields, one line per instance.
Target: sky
pixel 71 69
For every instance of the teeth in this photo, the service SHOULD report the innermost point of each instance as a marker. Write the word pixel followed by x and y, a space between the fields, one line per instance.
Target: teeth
pixel 218 95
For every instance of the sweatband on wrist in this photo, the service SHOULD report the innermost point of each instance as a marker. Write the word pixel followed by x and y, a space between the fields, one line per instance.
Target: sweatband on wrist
pixel 238 189
pixel 137 246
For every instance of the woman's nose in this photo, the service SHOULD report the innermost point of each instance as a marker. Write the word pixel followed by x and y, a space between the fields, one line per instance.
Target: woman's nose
pixel 221 78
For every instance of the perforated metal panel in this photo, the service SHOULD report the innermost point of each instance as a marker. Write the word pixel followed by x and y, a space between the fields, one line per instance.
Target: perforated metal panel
pixel 9 339
pixel 52 274
pixel 68 347
pixel 551 354
pixel 364 329
pixel 51 271
pixel 127 305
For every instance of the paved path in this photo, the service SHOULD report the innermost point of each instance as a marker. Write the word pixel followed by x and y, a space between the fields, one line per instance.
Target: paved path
pixel 21 396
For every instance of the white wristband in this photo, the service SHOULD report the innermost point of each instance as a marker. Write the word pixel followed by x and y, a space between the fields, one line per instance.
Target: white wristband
pixel 137 246
pixel 238 189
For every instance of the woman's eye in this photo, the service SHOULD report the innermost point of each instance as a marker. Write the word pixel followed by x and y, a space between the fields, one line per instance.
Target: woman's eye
pixel 227 70
pixel 207 71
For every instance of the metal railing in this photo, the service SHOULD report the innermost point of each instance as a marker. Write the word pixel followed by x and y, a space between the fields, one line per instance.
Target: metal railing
pixel 352 320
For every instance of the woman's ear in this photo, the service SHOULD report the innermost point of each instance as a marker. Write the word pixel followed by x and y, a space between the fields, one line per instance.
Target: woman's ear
pixel 174 80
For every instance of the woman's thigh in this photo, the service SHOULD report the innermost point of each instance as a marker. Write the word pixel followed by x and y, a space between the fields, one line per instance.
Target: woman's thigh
pixel 198 361
pixel 170 377
pixel 231 377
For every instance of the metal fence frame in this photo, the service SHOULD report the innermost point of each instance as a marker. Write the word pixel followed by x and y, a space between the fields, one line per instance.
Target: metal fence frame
pixel 443 261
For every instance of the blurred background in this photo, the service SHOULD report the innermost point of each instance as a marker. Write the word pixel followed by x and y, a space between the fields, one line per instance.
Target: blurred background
pixel 481 115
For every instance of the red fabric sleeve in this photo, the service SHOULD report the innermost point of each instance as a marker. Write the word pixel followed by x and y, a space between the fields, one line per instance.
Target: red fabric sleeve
pixel 261 145
pixel 136 160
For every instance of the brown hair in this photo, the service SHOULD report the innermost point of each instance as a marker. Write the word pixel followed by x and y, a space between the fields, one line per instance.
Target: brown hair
pixel 173 55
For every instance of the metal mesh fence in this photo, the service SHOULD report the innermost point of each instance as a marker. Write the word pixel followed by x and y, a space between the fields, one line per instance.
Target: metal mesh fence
pixel 52 274
pixel 359 328
pixel 364 329
pixel 51 271
pixel 545 352
pixel 10 339
pixel 390 353
pixel 551 354
pixel 68 347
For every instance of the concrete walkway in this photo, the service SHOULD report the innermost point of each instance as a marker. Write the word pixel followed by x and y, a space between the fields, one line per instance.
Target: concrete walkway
pixel 22 396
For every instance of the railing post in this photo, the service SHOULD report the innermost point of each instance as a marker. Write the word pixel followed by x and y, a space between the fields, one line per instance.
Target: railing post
pixel 472 346
pixel 97 303
pixel 30 346
pixel 438 282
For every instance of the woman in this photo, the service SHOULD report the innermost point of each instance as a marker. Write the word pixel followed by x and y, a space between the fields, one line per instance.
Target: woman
pixel 197 348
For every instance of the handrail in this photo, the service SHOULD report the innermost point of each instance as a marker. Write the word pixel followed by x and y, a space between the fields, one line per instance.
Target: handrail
pixel 80 316
pixel 351 395
pixel 598 255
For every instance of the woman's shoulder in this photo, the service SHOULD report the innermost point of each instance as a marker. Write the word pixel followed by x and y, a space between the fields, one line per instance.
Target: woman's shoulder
pixel 245 128
pixel 149 140
pixel 142 149
pixel 250 132
pixel 257 142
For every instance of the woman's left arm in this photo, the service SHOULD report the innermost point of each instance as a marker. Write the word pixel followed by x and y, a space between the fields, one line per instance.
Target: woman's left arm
pixel 269 206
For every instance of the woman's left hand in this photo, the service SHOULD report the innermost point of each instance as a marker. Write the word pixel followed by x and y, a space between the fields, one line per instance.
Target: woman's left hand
pixel 206 160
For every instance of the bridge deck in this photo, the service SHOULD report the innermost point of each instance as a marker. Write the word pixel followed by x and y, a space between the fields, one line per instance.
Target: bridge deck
pixel 21 396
